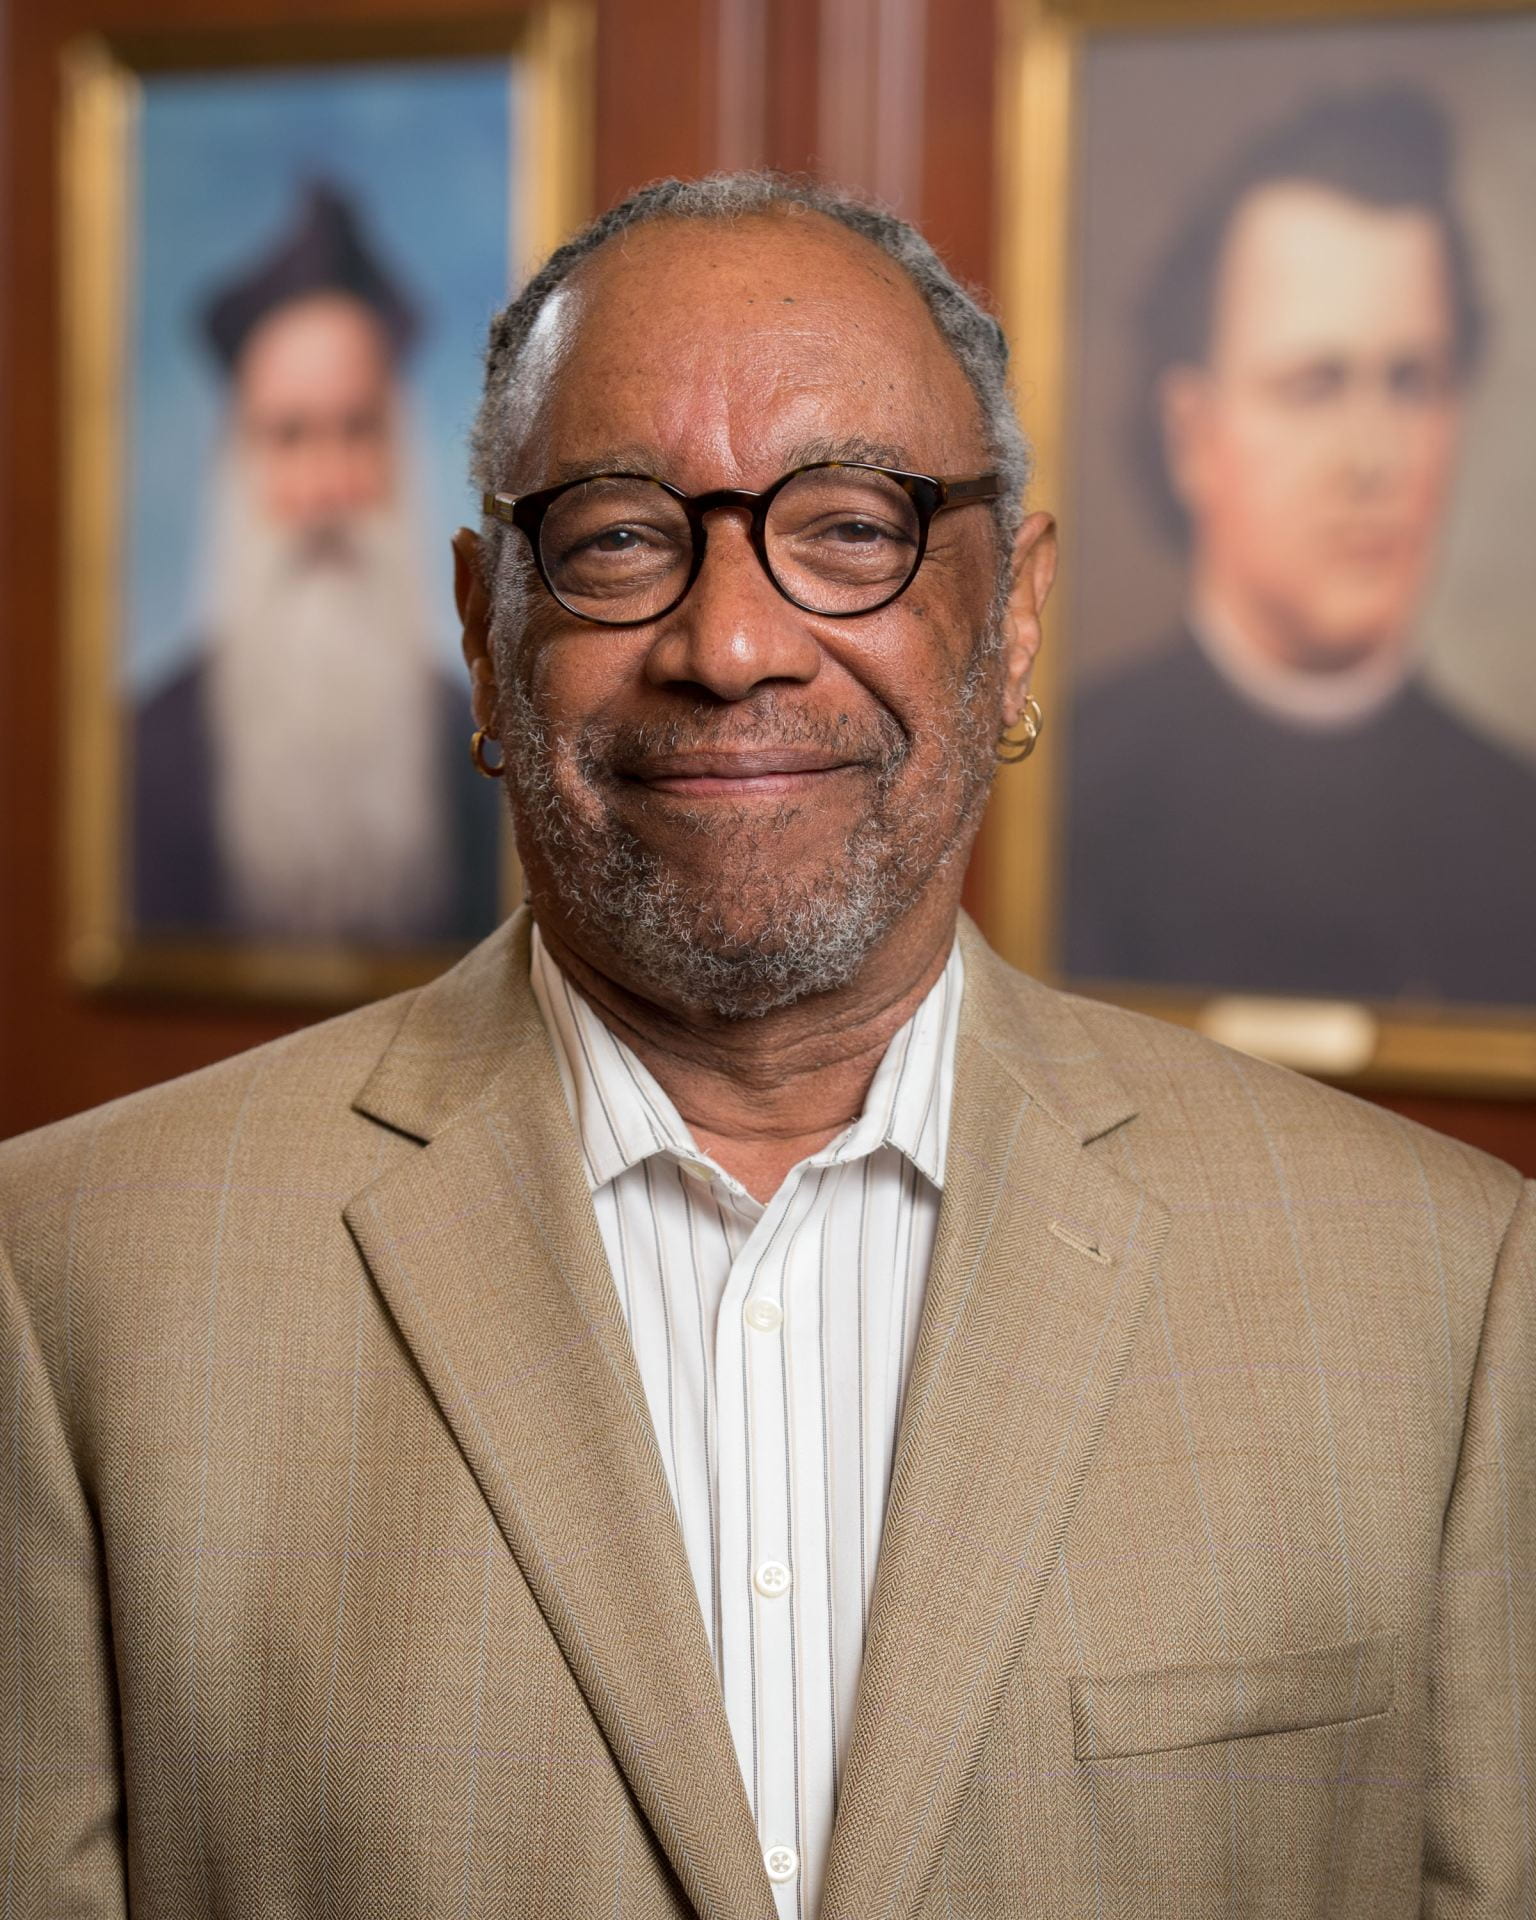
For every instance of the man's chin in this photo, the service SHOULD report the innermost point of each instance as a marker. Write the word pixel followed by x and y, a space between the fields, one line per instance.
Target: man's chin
pixel 1344 644
pixel 1345 623
pixel 714 856
pixel 729 937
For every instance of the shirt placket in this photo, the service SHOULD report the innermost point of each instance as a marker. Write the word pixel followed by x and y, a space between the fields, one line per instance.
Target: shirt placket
pixel 760 1602
pixel 771 1349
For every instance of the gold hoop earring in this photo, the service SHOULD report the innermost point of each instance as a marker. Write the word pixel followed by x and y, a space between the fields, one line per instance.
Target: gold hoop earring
pixel 477 755
pixel 1011 751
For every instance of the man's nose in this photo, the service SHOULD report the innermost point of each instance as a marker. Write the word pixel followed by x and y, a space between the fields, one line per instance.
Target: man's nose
pixel 735 630
pixel 1375 436
pixel 332 476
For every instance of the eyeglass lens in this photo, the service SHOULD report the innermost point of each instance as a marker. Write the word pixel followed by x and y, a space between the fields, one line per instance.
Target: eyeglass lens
pixel 839 540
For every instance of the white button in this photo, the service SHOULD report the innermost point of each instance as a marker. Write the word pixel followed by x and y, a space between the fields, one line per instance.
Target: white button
pixel 783 1863
pixel 771 1579
pixel 764 1315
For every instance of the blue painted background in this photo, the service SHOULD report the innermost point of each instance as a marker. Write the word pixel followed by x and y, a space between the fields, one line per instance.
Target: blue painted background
pixel 424 148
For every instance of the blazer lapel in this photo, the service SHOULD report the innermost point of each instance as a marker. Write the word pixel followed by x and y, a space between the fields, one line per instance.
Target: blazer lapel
pixel 486 1249
pixel 1040 1276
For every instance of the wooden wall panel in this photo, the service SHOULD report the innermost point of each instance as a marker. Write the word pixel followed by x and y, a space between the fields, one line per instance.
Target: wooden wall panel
pixel 656 109
pixel 896 96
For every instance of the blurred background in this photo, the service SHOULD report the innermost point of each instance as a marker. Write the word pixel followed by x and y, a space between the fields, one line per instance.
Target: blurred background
pixel 247 274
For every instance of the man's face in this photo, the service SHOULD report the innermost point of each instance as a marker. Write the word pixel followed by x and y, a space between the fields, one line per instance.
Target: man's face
pixel 1315 450
pixel 314 415
pixel 735 802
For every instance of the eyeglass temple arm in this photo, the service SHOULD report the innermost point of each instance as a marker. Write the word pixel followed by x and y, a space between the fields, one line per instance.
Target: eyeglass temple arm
pixel 499 506
pixel 960 493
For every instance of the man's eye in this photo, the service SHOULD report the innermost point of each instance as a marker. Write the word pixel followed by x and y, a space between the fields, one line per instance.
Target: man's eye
pixel 1417 381
pixel 359 428
pixel 287 431
pixel 1313 385
pixel 622 539
pixel 619 550
pixel 853 531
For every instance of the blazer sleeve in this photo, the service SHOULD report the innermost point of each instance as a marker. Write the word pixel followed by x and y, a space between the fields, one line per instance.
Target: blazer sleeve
pixel 1480 1831
pixel 61 1851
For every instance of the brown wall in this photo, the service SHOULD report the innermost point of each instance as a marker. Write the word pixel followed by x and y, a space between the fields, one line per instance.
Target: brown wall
pixel 895 97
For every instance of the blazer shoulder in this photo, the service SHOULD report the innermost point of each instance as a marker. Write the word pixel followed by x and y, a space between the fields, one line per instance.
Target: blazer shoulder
pixel 1197 1097
pixel 305 1082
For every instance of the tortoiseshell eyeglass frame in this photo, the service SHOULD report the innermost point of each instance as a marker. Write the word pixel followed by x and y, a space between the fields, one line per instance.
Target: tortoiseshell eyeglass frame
pixel 928 493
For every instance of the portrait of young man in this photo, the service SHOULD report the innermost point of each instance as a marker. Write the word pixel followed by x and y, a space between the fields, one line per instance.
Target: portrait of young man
pixel 1277 798
pixel 732 1401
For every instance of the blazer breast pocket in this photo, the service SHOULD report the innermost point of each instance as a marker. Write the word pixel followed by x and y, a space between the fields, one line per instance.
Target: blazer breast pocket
pixel 1115 1715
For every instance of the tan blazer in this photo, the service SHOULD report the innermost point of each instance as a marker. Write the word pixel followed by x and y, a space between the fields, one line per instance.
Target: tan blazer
pixel 340 1576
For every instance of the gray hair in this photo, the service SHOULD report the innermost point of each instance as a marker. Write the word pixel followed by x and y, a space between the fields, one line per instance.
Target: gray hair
pixel 972 335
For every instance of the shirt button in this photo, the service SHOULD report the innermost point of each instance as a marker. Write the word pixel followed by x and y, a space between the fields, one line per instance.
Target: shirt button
pixel 764 1315
pixel 783 1863
pixel 771 1579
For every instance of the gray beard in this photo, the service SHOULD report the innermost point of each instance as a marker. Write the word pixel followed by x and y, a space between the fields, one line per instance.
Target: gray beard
pixel 811 932
pixel 315 665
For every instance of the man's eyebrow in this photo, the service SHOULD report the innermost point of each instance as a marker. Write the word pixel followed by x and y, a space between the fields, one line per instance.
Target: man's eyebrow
pixel 637 458
pixel 633 458
pixel 869 453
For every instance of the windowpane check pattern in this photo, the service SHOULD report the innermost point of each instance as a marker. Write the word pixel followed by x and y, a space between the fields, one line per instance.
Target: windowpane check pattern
pixel 774 1343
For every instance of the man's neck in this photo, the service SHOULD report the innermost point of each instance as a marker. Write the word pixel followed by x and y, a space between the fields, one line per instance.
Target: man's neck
pixel 759 1095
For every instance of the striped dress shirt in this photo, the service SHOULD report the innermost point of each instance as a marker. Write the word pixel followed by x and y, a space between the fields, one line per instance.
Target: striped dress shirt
pixel 774 1344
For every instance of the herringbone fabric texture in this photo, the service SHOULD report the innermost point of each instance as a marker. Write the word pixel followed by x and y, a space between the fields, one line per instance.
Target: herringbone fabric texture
pixel 340 1576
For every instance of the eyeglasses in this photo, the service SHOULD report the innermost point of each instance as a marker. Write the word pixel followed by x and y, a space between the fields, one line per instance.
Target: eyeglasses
pixel 838 538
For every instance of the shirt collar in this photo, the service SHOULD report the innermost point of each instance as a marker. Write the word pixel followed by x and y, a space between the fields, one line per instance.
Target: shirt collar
pixel 624 1116
pixel 1318 702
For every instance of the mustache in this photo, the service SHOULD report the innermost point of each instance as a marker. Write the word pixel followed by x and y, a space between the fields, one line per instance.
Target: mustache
pixel 340 543
pixel 878 741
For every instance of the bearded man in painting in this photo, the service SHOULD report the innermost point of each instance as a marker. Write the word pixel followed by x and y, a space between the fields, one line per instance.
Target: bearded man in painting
pixel 264 804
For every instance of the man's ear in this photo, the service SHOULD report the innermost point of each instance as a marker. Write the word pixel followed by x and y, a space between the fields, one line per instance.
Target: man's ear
pixel 475 615
pixel 1033 568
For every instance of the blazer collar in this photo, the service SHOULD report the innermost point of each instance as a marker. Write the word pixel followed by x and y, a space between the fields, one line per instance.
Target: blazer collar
pixel 486 1250
pixel 1034 1035
pixel 460 1034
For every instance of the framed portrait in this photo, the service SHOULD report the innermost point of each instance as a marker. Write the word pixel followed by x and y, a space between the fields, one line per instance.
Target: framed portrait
pixel 281 254
pixel 1269 281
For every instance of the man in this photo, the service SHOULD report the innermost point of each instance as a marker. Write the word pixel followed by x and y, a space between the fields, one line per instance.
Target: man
pixel 263 805
pixel 732 1402
pixel 1278 800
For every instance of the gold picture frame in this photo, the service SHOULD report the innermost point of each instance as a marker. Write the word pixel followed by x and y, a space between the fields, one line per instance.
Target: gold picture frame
pixel 1019 867
pixel 548 47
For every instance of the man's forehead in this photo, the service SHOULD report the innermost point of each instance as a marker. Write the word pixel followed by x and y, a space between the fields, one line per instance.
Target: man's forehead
pixel 1302 258
pixel 789 256
pixel 312 339
pixel 792 327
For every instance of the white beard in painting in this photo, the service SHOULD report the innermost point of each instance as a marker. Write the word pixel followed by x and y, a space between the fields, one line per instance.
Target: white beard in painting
pixel 331 809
